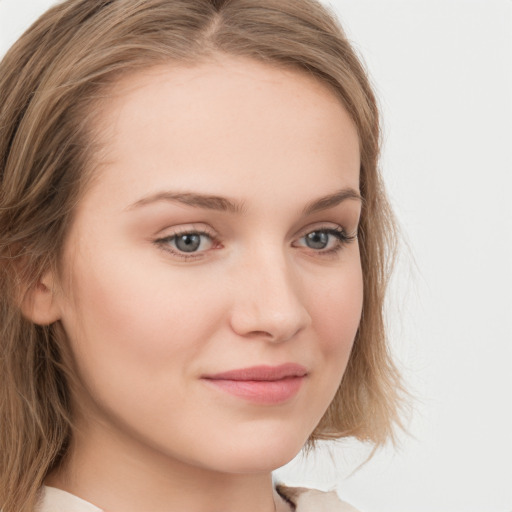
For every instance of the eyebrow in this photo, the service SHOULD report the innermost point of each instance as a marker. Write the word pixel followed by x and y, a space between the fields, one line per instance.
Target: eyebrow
pixel 208 202
pixel 332 200
pixel 218 203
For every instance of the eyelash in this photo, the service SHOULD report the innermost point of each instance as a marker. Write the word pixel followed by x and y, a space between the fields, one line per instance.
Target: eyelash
pixel 163 243
pixel 342 237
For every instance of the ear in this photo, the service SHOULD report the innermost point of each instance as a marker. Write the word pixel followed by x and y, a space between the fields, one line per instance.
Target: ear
pixel 39 303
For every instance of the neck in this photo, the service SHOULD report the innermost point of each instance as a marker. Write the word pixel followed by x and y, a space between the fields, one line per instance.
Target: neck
pixel 116 472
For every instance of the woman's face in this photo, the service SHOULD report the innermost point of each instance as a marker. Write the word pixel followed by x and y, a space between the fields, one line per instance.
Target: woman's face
pixel 218 235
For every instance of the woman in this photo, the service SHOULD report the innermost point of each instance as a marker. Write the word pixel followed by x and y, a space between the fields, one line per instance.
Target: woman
pixel 195 244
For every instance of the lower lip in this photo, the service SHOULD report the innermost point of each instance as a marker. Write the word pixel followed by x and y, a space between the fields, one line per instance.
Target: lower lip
pixel 261 391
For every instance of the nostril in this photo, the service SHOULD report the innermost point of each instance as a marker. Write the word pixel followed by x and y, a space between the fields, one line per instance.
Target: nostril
pixel 262 334
pixel 273 330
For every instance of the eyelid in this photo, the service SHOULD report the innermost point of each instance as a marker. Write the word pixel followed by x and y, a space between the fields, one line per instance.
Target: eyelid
pixel 162 242
pixel 342 235
pixel 186 227
pixel 327 226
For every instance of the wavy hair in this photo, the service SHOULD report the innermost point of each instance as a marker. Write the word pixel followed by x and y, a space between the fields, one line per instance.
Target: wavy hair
pixel 52 82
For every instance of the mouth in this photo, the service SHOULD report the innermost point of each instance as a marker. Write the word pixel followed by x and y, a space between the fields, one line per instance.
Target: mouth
pixel 261 384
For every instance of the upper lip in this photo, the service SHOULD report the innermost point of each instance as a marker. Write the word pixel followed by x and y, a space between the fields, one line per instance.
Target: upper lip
pixel 262 373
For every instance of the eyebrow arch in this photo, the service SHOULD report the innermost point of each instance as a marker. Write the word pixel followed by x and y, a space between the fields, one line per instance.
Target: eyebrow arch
pixel 208 202
pixel 218 203
pixel 332 200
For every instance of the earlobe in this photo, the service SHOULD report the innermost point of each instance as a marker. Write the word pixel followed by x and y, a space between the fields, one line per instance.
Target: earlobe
pixel 39 303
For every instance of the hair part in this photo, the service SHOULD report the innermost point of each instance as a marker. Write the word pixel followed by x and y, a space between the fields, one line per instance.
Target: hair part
pixel 52 83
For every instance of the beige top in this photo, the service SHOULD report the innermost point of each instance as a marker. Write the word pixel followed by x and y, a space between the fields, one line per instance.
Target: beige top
pixel 300 499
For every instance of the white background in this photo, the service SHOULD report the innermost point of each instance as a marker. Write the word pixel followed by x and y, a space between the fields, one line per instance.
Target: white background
pixel 443 72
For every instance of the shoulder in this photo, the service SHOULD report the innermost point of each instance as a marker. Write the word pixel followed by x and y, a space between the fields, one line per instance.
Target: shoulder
pixel 301 498
pixel 57 500
pixel 312 500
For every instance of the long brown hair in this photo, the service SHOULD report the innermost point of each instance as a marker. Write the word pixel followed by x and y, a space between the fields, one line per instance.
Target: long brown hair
pixel 52 81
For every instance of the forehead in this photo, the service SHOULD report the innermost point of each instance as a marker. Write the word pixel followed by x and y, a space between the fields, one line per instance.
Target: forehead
pixel 226 123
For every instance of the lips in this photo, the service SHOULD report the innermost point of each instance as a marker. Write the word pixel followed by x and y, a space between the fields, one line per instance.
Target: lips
pixel 262 373
pixel 261 384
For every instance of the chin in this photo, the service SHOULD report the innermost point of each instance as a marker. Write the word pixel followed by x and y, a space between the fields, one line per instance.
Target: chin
pixel 259 454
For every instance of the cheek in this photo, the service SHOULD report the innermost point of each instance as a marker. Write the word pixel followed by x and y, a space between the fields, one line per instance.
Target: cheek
pixel 335 309
pixel 337 312
pixel 130 322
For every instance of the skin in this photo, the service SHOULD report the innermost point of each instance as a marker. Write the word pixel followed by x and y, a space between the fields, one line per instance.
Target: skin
pixel 145 325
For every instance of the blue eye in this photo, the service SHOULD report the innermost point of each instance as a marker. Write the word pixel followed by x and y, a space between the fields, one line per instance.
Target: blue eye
pixel 191 242
pixel 188 242
pixel 317 239
pixel 326 240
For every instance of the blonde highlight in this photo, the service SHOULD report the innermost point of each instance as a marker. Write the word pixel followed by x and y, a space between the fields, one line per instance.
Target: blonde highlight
pixel 52 82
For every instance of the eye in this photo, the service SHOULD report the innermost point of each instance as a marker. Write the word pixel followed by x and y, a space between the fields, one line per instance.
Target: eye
pixel 187 243
pixel 326 240
pixel 317 239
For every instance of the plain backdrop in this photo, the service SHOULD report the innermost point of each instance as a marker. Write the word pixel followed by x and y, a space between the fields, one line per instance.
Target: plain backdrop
pixel 442 70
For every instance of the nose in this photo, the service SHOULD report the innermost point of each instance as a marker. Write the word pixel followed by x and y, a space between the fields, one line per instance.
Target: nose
pixel 267 301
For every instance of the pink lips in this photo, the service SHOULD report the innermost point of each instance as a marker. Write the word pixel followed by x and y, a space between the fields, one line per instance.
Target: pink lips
pixel 261 384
